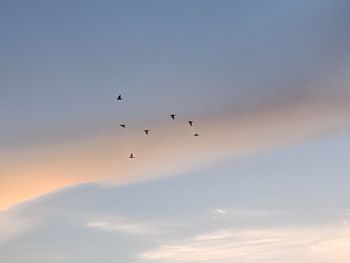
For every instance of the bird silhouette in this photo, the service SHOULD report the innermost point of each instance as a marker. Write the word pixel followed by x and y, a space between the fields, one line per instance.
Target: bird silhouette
pixel 119 97
pixel 172 116
pixel 147 131
pixel 196 134
pixel 122 125
pixel 131 156
pixel 190 123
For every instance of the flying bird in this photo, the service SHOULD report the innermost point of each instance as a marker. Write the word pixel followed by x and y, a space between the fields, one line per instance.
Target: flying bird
pixel 172 116
pixel 131 156
pixel 119 97
pixel 196 134
pixel 190 123
pixel 122 125
pixel 147 131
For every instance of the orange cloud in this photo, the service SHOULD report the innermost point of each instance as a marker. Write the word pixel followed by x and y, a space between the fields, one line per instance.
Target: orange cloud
pixel 27 173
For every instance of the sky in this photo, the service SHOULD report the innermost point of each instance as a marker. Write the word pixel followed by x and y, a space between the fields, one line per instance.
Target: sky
pixel 266 84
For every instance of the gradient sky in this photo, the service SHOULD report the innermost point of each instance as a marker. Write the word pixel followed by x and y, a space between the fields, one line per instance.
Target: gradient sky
pixel 267 84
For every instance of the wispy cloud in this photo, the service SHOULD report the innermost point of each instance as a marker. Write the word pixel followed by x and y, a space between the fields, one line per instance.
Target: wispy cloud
pixel 239 214
pixel 314 244
pixel 129 226
pixel 123 227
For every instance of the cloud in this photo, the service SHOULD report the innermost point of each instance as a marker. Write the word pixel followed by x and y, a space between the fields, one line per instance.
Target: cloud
pixel 311 245
pixel 129 226
pixel 171 149
pixel 195 240
pixel 239 214
pixel 123 227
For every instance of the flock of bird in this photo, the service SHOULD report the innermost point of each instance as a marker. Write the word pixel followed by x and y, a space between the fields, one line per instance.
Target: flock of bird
pixel 147 132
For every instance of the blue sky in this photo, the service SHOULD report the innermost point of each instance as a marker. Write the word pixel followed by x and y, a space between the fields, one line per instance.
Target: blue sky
pixel 266 83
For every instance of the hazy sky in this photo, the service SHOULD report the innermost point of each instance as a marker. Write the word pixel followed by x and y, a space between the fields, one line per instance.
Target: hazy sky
pixel 267 84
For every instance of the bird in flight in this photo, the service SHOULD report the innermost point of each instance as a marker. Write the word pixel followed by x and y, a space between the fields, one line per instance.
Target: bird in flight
pixel 147 131
pixel 119 97
pixel 131 156
pixel 190 123
pixel 196 134
pixel 172 116
pixel 122 125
